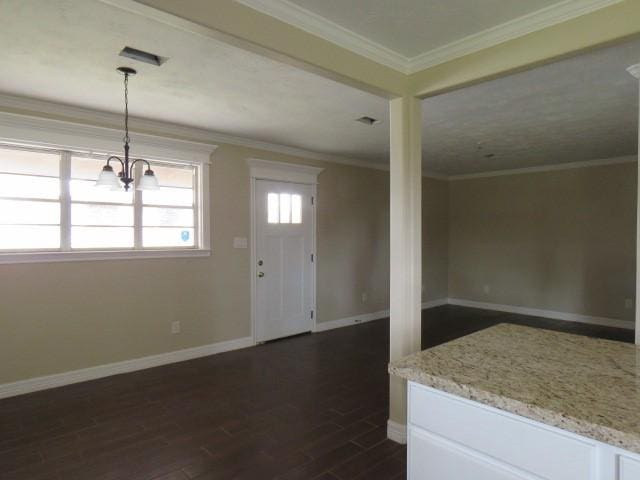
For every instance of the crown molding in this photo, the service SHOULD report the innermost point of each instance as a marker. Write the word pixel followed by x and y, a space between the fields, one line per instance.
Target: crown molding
pixel 38 108
pixel 315 24
pixel 634 70
pixel 547 168
pixel 518 27
pixel 319 26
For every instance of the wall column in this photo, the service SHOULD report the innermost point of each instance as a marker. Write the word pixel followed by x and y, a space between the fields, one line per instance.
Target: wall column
pixel 635 71
pixel 406 248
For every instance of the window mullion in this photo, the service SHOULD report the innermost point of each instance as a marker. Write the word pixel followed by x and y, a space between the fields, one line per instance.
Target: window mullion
pixel 137 209
pixel 65 201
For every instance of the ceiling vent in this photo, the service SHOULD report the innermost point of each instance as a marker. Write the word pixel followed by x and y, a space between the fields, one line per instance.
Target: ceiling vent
pixel 141 56
pixel 368 120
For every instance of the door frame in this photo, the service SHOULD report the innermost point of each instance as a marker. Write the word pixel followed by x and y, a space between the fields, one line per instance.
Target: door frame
pixel 282 172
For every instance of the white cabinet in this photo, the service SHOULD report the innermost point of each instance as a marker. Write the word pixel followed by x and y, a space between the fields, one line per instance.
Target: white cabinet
pixel 431 458
pixel 451 438
pixel 628 468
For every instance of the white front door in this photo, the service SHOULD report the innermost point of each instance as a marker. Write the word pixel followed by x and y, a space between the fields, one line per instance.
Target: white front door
pixel 284 259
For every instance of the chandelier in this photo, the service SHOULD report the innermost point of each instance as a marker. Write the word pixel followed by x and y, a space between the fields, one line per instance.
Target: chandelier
pixel 108 177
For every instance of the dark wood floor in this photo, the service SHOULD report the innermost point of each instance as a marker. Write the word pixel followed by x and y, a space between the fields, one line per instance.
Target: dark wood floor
pixel 310 407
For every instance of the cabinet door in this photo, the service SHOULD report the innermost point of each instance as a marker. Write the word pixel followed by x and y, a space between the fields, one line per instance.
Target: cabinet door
pixel 628 468
pixel 433 458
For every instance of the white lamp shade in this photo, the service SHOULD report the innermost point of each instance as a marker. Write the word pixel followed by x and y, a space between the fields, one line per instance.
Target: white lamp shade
pixel 108 179
pixel 148 181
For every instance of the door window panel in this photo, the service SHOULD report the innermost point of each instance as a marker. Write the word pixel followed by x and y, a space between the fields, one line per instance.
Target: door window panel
pixel 284 208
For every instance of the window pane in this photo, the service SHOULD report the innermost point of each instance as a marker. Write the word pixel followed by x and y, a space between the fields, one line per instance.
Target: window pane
pixel 84 168
pixel 273 208
pixel 101 237
pixel 296 209
pixel 25 162
pixel 82 214
pixel 30 213
pixel 86 191
pixel 285 208
pixel 20 237
pixel 170 176
pixel 168 196
pixel 26 186
pixel 167 237
pixel 167 217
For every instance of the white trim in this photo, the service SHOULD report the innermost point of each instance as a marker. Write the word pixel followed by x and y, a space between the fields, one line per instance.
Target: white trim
pixel 369 317
pixel 90 255
pixel 317 25
pixel 634 70
pixel 100 371
pixel 349 321
pixel 397 432
pixel 65 135
pixel 518 27
pixel 80 116
pixel 320 26
pixel 283 171
pixel 547 168
pixel 434 303
pixel 536 312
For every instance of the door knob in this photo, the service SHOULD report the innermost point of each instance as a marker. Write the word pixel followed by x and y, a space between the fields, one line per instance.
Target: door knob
pixel 260 274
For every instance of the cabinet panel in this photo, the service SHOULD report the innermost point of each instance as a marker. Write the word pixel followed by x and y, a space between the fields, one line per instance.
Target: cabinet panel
pixel 524 444
pixel 628 468
pixel 431 458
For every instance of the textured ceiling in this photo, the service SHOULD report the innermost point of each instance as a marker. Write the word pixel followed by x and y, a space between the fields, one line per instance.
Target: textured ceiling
pixel 412 27
pixel 582 108
pixel 66 51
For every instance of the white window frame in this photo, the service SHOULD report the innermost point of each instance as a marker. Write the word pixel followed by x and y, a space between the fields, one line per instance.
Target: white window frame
pixel 70 138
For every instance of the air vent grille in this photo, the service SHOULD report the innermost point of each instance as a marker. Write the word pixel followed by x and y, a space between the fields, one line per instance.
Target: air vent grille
pixel 368 120
pixel 142 56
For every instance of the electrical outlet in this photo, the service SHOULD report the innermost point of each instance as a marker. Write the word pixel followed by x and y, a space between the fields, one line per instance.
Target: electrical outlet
pixel 487 289
pixel 175 327
pixel 365 297
pixel 628 303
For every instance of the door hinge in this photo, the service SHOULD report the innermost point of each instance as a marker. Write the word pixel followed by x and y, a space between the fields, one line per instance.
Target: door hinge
pixel 311 314
pixel 312 258
pixel 312 200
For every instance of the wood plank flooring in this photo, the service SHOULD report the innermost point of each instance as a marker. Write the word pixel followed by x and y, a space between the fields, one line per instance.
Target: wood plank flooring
pixel 309 407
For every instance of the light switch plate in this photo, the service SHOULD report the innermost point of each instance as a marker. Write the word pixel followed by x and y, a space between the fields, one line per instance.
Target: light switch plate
pixel 240 242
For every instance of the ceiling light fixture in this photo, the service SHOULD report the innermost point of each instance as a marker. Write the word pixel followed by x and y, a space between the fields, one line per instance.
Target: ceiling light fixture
pixel 107 177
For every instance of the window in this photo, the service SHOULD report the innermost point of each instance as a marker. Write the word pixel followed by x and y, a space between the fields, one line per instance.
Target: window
pixel 284 208
pixel 49 203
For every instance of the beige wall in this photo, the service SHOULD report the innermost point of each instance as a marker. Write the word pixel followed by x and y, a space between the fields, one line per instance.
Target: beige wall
pixel 57 317
pixel 435 239
pixel 558 240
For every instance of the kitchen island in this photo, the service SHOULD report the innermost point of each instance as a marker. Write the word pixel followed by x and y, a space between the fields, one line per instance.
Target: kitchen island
pixel 520 403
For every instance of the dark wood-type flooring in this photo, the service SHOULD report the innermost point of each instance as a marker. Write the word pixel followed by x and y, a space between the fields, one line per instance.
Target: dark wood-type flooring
pixel 308 407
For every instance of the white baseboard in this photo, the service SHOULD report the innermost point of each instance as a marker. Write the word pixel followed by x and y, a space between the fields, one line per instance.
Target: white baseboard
pixel 435 303
pixel 100 371
pixel 397 432
pixel 536 312
pixel 368 317
pixel 347 322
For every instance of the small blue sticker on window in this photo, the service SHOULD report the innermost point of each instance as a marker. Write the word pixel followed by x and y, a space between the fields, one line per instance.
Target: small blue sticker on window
pixel 185 235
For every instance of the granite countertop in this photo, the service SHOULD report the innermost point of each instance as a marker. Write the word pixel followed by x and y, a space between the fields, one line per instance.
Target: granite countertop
pixel 587 386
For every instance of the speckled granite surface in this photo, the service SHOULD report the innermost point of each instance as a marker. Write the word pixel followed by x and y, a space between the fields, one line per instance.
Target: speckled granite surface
pixel 587 386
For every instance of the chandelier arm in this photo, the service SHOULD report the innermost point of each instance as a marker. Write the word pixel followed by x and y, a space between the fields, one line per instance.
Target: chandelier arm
pixel 133 163
pixel 113 157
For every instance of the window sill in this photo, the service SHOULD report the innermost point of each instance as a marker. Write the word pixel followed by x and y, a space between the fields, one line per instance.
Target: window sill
pixel 92 255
